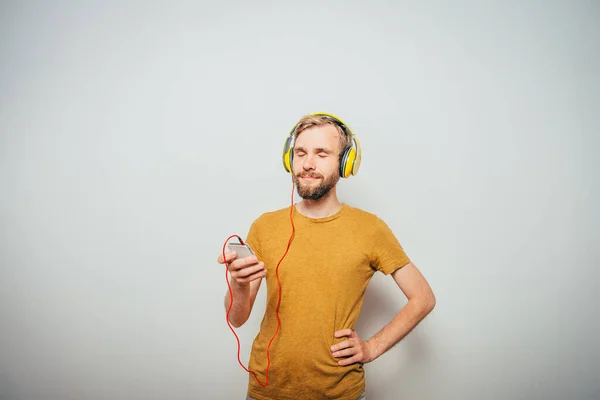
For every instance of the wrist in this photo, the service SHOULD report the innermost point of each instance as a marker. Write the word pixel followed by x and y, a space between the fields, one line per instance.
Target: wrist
pixel 375 348
pixel 239 286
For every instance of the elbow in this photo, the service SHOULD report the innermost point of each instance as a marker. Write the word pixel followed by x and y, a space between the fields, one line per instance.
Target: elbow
pixel 430 303
pixel 237 322
pixel 425 303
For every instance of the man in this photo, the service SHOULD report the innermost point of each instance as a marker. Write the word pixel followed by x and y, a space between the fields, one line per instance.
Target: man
pixel 318 275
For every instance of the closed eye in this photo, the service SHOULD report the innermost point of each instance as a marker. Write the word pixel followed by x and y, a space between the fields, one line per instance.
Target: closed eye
pixel 321 152
pixel 324 152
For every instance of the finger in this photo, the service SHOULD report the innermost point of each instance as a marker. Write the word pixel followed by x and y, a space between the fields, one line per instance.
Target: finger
pixel 255 276
pixel 341 345
pixel 241 263
pixel 245 272
pixel 350 351
pixel 351 360
pixel 229 257
pixel 343 332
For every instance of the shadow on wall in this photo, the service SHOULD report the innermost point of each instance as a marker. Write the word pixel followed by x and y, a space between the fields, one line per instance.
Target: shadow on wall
pixel 407 363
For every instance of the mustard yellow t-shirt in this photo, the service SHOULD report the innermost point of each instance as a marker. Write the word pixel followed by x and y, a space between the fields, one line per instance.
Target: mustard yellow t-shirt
pixel 323 280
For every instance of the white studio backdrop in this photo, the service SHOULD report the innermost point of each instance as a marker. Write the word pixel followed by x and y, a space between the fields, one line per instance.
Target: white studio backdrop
pixel 135 137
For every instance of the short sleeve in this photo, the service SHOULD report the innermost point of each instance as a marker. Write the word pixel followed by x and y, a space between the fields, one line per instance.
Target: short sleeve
pixel 253 239
pixel 387 254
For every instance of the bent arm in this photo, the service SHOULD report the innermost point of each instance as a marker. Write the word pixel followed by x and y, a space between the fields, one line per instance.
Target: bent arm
pixel 244 296
pixel 421 301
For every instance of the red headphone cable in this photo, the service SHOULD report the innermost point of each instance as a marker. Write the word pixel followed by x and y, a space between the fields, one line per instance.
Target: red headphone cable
pixel 278 298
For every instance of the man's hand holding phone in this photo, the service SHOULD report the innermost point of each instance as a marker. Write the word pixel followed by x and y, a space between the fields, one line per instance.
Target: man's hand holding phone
pixel 243 265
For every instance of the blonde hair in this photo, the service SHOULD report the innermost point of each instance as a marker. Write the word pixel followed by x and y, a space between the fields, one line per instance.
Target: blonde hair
pixel 310 121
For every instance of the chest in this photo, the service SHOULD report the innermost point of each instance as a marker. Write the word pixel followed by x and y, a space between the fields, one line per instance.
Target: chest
pixel 330 256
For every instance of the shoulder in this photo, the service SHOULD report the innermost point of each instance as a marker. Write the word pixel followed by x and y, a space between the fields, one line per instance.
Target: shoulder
pixel 367 221
pixel 363 215
pixel 273 216
pixel 263 226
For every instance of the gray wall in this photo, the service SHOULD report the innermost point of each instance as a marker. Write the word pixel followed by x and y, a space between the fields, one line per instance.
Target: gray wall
pixel 136 137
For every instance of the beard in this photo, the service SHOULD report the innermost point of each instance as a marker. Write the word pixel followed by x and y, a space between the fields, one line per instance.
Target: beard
pixel 310 192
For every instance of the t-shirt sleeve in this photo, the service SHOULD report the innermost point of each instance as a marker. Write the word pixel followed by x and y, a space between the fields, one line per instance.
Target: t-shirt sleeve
pixel 253 239
pixel 387 254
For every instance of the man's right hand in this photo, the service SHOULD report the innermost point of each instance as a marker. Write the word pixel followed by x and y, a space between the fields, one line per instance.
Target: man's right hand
pixel 243 270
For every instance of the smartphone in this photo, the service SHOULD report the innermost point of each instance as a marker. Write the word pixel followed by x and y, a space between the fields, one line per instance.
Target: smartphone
pixel 242 250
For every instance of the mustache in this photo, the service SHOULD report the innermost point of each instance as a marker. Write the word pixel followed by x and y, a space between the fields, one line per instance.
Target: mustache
pixel 309 175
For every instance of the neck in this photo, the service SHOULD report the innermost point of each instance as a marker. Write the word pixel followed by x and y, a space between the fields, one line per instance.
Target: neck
pixel 324 207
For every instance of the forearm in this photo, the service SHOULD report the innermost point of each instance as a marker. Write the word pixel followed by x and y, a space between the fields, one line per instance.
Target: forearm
pixel 403 323
pixel 242 304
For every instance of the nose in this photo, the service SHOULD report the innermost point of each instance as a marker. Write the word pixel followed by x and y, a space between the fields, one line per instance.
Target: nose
pixel 309 162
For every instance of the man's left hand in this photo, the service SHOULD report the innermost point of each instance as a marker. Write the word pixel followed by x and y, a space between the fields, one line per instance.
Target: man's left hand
pixel 354 348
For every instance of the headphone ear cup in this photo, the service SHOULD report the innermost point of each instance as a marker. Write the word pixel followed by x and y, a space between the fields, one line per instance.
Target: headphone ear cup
pixel 288 155
pixel 357 158
pixel 344 163
pixel 350 161
pixel 349 158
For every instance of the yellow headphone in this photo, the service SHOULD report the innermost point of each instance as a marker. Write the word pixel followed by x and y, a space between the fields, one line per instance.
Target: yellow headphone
pixel 349 160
